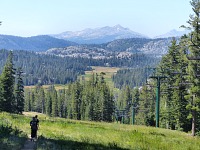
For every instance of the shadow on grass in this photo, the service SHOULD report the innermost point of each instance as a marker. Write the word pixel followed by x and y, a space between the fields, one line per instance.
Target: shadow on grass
pixel 11 138
pixel 52 144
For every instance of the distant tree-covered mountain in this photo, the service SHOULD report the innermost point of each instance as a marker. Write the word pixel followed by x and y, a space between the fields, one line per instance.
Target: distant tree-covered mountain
pixel 34 43
pixel 49 69
pixel 44 69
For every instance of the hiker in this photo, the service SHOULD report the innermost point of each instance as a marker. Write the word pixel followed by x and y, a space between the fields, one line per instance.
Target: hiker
pixel 37 120
pixel 34 127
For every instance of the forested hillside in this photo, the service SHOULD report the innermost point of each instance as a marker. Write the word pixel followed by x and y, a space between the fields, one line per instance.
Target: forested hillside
pixel 44 69
pixel 48 69
pixel 34 43
pixel 134 77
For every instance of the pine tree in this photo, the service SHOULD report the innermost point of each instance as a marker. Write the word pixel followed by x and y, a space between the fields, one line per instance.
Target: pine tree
pixel 173 108
pixel 48 104
pixel 135 101
pixel 54 98
pixel 76 101
pixel 7 85
pixel 145 114
pixel 84 112
pixel 128 103
pixel 27 99
pixel 19 91
pixel 193 45
pixel 69 100
pixel 32 101
pixel 39 103
pixel 91 97
pixel 170 68
pixel 61 103
pixel 1 96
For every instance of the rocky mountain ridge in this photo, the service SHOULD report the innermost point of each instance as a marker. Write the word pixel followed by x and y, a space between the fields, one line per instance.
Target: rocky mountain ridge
pixel 99 35
pixel 116 48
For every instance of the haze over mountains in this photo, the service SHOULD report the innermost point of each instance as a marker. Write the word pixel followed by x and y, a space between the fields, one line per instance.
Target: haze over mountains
pixel 105 40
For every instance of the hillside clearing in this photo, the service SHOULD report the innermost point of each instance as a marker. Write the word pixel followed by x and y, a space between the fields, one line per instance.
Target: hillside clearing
pixel 58 133
pixel 109 72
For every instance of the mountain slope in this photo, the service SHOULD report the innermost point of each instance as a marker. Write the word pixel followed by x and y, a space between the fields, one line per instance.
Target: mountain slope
pixel 99 35
pixel 84 135
pixel 35 43
pixel 117 48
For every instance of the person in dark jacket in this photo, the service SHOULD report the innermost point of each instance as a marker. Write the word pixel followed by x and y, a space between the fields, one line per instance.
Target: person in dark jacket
pixel 34 127
pixel 37 120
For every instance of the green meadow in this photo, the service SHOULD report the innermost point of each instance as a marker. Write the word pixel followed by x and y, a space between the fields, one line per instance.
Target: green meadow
pixel 64 134
pixel 109 72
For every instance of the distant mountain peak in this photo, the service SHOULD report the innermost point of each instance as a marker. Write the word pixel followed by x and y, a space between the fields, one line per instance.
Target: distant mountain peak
pixel 99 35
pixel 173 33
pixel 118 26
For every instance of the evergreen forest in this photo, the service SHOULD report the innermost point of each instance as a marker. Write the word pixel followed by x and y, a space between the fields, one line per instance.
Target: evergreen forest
pixel 50 69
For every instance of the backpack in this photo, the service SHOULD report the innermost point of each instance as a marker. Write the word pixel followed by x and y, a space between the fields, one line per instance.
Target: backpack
pixel 33 124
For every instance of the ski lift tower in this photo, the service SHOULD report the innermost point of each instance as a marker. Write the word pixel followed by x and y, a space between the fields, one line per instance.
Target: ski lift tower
pixel 158 79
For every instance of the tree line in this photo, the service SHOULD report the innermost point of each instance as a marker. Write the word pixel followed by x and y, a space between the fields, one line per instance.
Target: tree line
pixel 87 100
pixel 45 69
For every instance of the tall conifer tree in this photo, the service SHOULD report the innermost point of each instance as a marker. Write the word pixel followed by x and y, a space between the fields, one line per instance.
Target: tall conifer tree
pixel 19 91
pixel 7 88
pixel 194 66
pixel 54 98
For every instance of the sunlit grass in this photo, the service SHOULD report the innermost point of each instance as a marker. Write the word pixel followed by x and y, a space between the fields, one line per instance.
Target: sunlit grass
pixel 58 133
pixel 109 72
pixel 57 87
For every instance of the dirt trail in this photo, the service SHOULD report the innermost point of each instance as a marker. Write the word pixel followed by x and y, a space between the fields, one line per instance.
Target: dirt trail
pixel 29 145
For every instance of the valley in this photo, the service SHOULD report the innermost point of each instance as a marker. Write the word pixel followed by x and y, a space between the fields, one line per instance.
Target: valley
pixel 95 84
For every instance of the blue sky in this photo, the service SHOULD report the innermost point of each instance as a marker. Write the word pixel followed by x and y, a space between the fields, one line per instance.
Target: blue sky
pixel 36 17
